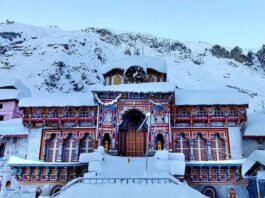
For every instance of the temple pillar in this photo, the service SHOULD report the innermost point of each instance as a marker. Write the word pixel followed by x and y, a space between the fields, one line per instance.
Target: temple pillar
pixel 76 154
pixel 43 157
pixel 209 153
pixel 191 149
pixel 60 153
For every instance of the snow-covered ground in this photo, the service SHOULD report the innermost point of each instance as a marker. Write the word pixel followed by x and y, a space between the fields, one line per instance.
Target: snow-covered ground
pixel 50 59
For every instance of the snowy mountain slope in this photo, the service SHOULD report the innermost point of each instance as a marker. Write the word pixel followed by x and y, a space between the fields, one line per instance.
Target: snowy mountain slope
pixel 50 59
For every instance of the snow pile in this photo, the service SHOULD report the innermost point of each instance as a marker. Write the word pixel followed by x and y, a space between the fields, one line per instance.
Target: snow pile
pixel 210 97
pixel 132 190
pixel 255 124
pixel 256 156
pixel 163 87
pixel 59 100
pixel 98 155
pixel 146 62
pixel 12 128
pixel 11 94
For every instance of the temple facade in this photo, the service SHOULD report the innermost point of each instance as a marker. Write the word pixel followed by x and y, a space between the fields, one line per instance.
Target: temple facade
pixel 133 114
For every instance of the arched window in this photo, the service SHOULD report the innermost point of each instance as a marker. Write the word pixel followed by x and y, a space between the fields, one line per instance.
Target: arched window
pixel 232 193
pixel 69 148
pixel 86 144
pixel 2 150
pixel 200 148
pixel 159 118
pixel 52 148
pixel 55 189
pixel 182 145
pixel 217 148
pixel 209 192
pixel 8 184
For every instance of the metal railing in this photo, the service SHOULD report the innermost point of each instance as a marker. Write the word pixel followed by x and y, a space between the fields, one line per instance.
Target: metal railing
pixel 117 181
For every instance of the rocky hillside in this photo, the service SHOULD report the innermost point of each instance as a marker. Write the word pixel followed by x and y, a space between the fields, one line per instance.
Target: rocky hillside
pixel 50 59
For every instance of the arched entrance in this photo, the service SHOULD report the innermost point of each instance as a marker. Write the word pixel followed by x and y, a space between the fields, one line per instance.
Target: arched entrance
pixel 106 141
pixel 132 142
pixel 209 192
pixel 159 142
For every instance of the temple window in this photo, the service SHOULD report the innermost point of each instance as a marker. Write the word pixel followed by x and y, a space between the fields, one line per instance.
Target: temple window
pixel 69 148
pixel 218 113
pixel 159 118
pixel 2 150
pixel 1 106
pixel 52 148
pixel 86 143
pixel 108 116
pixel 182 113
pixel 200 148
pixel 1 117
pixel 218 148
pixel 201 113
pixel 182 145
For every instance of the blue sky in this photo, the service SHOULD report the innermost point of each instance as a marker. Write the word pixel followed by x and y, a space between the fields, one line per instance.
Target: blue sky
pixel 225 22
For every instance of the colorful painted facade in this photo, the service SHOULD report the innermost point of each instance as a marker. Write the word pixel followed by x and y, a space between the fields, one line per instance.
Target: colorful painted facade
pixel 136 112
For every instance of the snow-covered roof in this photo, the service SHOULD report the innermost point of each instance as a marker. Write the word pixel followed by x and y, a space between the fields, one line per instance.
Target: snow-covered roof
pixel 13 127
pixel 11 94
pixel 18 161
pixel 256 156
pixel 59 100
pixel 146 62
pixel 236 162
pixel 209 97
pixel 255 124
pixel 17 84
pixel 154 87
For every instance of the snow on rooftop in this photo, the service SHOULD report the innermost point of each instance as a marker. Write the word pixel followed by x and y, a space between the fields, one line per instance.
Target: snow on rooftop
pixel 219 162
pixel 256 156
pixel 59 100
pixel 13 127
pixel 209 97
pixel 18 161
pixel 11 94
pixel 154 87
pixel 130 190
pixel 255 124
pixel 155 63
pixel 17 84
pixel 161 166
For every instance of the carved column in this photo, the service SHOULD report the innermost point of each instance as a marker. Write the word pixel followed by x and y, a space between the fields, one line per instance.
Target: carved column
pixel 60 153
pixel 209 153
pixel 191 149
pixel 76 154
pixel 44 146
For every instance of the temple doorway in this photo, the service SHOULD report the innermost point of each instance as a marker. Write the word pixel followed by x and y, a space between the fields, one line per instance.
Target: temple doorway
pixel 106 141
pixel 132 142
pixel 159 142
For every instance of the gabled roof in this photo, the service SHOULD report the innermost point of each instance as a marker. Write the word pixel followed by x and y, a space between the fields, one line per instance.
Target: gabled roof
pixel 11 94
pixel 12 128
pixel 256 124
pixel 5 83
pixel 156 87
pixel 209 97
pixel 59 100
pixel 146 62
pixel 257 157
